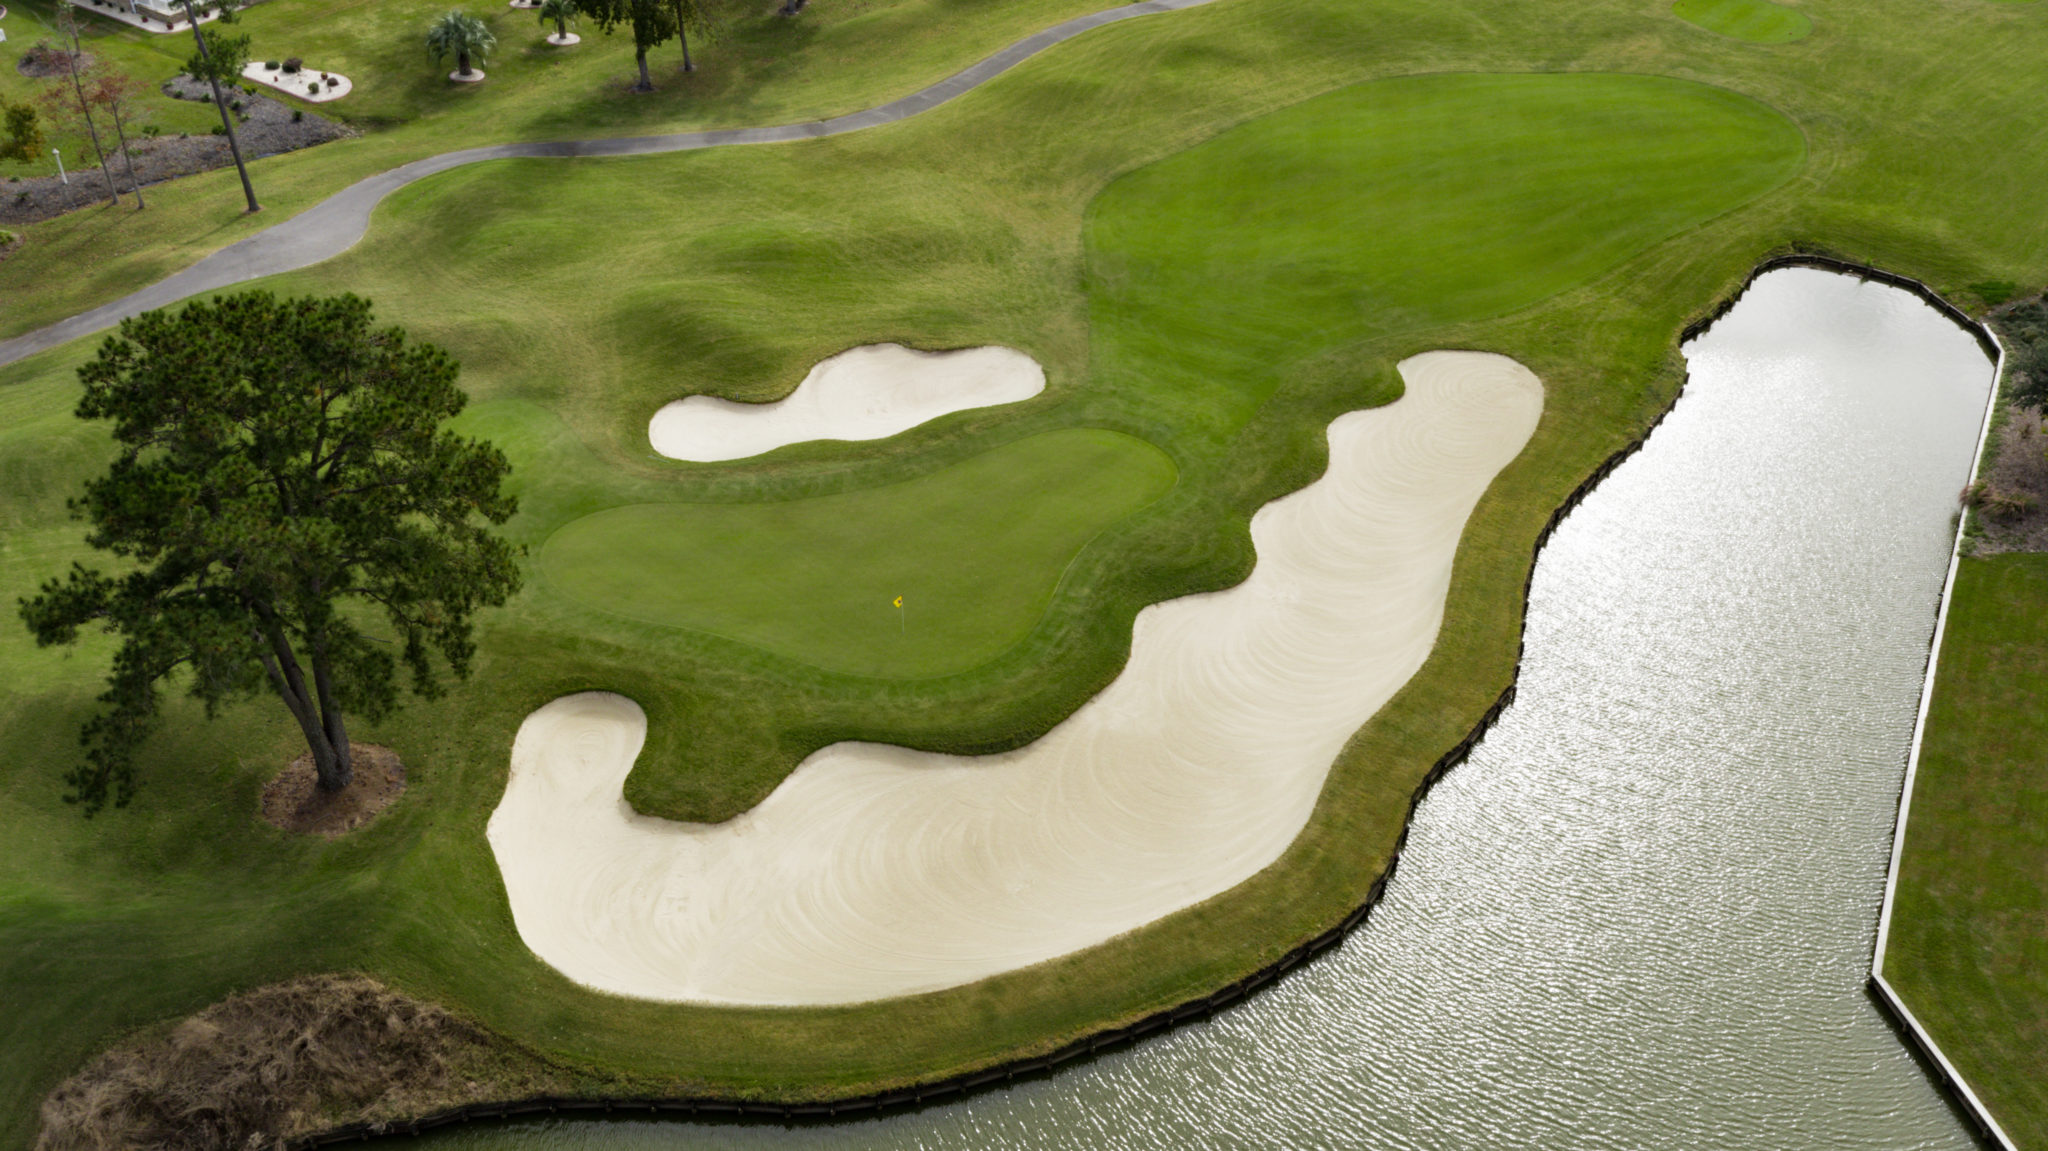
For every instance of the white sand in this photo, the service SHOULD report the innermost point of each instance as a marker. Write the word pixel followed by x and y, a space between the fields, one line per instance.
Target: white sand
pixel 865 393
pixel 333 85
pixel 874 871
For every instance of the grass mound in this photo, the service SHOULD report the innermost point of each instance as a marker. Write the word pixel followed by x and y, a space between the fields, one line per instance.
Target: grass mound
pixel 1757 21
pixel 974 551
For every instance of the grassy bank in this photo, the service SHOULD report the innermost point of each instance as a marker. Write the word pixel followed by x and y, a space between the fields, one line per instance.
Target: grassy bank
pixel 1573 221
pixel 1969 939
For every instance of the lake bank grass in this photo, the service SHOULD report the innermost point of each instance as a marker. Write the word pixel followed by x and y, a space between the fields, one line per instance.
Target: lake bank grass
pixel 1969 940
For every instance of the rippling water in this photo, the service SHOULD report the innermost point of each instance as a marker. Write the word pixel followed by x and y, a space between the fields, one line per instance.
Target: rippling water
pixel 1641 914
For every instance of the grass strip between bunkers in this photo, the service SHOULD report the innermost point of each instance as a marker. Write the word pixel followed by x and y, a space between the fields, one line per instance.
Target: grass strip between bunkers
pixel 1574 221
pixel 975 549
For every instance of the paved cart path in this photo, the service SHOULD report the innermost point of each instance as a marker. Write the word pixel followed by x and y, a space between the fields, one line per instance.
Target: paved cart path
pixel 336 223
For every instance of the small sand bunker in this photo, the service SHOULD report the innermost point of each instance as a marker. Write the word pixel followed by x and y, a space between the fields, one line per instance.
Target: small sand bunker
pixel 876 871
pixel 866 393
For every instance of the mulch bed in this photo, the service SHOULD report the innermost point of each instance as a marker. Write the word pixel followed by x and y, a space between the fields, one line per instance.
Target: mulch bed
pixel 2011 498
pixel 266 128
pixel 293 801
pixel 44 61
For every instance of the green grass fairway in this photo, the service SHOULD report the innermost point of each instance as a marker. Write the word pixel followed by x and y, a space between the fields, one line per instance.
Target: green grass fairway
pixel 1757 21
pixel 1427 200
pixel 1217 229
pixel 1969 938
pixel 974 551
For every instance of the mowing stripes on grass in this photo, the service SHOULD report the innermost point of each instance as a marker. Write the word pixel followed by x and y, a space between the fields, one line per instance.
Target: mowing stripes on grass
pixel 974 551
pixel 1757 21
pixel 1401 203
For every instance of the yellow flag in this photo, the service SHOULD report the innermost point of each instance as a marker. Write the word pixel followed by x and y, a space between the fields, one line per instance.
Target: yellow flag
pixel 899 601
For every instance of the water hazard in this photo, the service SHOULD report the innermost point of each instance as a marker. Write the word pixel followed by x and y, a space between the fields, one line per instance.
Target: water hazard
pixel 1640 916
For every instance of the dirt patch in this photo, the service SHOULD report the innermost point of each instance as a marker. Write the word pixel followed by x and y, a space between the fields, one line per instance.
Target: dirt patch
pixel 293 800
pixel 274 1064
pixel 265 128
pixel 44 60
pixel 2010 497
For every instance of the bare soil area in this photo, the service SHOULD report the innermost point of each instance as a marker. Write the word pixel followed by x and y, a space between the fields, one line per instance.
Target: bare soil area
pixel 265 127
pixel 293 800
pixel 2011 496
pixel 277 1063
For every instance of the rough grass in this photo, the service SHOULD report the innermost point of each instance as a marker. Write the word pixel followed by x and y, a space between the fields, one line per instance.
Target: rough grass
pixel 583 295
pixel 1969 938
pixel 1757 21
pixel 763 69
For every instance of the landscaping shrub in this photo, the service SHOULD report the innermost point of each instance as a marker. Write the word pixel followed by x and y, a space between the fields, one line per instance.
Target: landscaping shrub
pixel 270 65
pixel 293 64
pixel 1999 504
pixel 2024 330
pixel 298 115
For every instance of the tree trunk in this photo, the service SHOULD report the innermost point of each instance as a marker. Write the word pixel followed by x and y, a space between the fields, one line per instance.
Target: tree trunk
pixel 683 34
pixel 332 764
pixel 462 63
pixel 226 121
pixel 331 723
pixel 85 110
pixel 646 82
pixel 121 134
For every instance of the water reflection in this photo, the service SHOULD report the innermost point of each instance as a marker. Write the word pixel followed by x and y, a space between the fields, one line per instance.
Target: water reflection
pixel 1641 914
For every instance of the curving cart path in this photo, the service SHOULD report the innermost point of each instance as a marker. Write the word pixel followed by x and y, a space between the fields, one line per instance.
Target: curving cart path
pixel 335 224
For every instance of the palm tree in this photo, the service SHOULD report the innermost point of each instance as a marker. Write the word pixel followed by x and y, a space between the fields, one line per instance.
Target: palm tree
pixel 461 35
pixel 560 13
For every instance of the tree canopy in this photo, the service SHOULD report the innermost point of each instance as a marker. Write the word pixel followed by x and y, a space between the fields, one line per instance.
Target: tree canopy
pixel 560 13
pixel 21 140
pixel 221 58
pixel 460 35
pixel 282 479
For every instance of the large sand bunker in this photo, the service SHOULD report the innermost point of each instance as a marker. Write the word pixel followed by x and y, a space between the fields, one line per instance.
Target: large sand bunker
pixel 876 871
pixel 865 393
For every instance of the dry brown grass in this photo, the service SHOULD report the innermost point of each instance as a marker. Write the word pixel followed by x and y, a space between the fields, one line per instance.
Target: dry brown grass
pixel 266 1066
pixel 2011 493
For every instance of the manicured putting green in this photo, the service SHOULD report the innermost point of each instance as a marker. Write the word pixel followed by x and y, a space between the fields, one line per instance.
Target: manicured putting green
pixel 1757 21
pixel 1400 204
pixel 974 551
